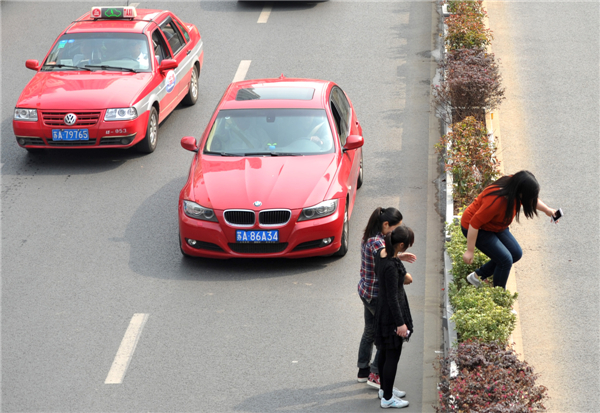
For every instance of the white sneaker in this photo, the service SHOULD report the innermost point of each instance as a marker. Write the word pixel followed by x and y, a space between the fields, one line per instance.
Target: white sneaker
pixel 397 393
pixel 393 403
pixel 474 279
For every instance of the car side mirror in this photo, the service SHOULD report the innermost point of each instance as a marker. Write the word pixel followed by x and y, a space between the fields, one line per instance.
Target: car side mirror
pixel 167 64
pixel 189 143
pixel 353 142
pixel 32 64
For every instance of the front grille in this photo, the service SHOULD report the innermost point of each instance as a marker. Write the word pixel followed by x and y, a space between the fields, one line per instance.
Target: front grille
pixel 258 248
pixel 274 217
pixel 239 217
pixel 58 118
pixel 90 142
pixel 201 245
pixel 31 141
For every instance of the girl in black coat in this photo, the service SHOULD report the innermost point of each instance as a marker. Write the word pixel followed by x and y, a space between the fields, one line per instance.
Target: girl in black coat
pixel 392 319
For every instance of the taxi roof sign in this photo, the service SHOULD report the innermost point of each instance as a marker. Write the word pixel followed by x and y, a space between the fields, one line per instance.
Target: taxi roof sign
pixel 113 13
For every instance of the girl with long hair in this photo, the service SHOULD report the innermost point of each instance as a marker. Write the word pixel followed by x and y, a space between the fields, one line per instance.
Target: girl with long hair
pixel 393 320
pixel 486 220
pixel 381 223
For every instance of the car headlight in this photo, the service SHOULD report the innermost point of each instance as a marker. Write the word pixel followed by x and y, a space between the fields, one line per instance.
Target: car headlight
pixel 321 210
pixel 193 210
pixel 26 114
pixel 120 114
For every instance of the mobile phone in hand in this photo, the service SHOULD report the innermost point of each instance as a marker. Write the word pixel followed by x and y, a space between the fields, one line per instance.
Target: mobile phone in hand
pixel 557 215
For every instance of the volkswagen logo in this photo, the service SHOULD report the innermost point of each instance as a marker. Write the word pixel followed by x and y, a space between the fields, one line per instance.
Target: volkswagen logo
pixel 257 203
pixel 70 119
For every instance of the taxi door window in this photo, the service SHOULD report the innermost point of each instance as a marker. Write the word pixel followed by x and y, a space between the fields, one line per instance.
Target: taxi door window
pixel 161 51
pixel 173 35
pixel 183 30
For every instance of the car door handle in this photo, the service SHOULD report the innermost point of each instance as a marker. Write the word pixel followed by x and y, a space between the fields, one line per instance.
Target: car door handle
pixel 188 52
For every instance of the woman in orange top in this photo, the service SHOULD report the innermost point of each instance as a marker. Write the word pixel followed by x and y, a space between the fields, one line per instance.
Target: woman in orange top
pixel 485 224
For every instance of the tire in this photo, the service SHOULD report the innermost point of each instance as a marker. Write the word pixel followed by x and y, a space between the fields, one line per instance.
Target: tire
pixel 192 97
pixel 345 235
pixel 359 182
pixel 148 144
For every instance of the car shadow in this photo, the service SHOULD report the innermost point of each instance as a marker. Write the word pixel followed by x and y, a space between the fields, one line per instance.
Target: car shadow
pixel 346 396
pixel 153 238
pixel 17 161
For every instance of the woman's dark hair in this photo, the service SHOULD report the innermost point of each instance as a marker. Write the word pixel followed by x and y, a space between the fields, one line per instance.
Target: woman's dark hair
pixel 400 234
pixel 520 189
pixel 390 215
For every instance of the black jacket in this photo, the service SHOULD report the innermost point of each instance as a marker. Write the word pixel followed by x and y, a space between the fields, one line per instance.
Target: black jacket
pixel 392 307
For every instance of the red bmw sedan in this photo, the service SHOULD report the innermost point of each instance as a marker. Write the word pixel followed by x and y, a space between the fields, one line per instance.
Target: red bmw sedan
pixel 108 81
pixel 275 173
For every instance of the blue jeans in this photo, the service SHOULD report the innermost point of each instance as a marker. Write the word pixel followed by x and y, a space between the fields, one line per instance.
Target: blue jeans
pixel 502 249
pixel 365 350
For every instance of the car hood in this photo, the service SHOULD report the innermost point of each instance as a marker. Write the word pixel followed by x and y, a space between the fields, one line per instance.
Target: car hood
pixel 275 181
pixel 83 90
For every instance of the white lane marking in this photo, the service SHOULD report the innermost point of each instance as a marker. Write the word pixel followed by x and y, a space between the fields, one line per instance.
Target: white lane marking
pixel 126 349
pixel 134 4
pixel 266 12
pixel 242 70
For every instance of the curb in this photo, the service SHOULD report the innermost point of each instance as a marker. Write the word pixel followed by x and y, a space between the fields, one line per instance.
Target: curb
pixel 493 128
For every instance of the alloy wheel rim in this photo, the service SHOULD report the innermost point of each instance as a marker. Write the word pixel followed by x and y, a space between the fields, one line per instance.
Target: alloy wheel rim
pixel 194 84
pixel 153 130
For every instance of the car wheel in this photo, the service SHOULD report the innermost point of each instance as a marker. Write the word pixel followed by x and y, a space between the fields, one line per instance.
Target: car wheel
pixel 345 235
pixel 192 97
pixel 360 173
pixel 148 144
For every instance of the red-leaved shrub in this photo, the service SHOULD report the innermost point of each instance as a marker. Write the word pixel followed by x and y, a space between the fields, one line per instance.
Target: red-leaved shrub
pixel 491 379
pixel 472 83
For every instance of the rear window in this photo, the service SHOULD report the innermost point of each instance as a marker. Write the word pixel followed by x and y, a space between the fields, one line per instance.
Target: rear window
pixel 275 93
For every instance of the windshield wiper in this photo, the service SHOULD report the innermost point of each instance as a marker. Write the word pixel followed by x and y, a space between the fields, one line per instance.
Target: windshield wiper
pixel 69 66
pixel 223 153
pixel 272 154
pixel 103 67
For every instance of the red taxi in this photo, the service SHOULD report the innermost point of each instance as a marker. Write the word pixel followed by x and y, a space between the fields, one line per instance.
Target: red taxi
pixel 275 174
pixel 109 80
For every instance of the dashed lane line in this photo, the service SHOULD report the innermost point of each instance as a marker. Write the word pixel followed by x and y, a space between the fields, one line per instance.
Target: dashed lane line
pixel 242 70
pixel 126 349
pixel 266 12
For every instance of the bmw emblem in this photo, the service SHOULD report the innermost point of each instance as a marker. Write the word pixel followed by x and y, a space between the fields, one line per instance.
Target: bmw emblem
pixel 257 203
pixel 70 119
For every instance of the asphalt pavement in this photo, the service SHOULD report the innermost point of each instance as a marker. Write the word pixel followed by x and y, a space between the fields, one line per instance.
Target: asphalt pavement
pixel 89 238
pixel 549 53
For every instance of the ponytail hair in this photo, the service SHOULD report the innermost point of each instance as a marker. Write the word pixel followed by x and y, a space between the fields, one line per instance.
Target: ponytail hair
pixel 401 234
pixel 375 225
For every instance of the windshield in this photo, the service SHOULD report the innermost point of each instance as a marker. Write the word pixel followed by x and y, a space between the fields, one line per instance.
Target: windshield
pixel 274 132
pixel 100 51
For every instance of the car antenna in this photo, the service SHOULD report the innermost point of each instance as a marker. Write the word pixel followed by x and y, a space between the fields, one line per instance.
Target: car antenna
pixel 282 76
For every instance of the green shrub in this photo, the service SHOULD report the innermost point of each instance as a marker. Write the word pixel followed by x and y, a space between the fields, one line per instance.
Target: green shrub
pixel 469 155
pixel 491 379
pixel 467 31
pixel 483 313
pixel 456 247
pixel 473 8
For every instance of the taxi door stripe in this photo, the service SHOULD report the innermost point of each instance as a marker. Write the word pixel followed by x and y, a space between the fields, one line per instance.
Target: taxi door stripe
pixel 160 91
